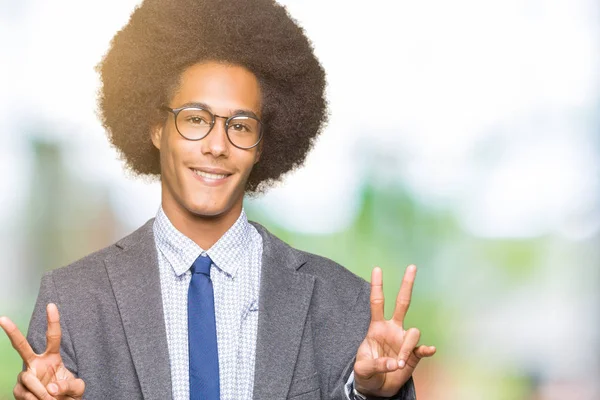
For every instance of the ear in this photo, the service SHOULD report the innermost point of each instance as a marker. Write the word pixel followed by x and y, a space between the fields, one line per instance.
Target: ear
pixel 156 135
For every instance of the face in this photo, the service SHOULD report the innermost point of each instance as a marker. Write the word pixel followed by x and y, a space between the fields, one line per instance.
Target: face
pixel 207 178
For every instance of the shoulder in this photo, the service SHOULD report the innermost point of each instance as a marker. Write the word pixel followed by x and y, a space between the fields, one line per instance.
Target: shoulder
pixel 92 265
pixel 332 280
pixel 335 276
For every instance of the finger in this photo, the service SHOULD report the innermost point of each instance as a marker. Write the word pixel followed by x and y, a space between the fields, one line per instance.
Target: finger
pixel 365 369
pixel 27 395
pixel 53 333
pixel 377 300
pixel 405 293
pixel 18 341
pixel 419 353
pixel 411 338
pixel 425 351
pixel 71 387
pixel 33 385
pixel 20 393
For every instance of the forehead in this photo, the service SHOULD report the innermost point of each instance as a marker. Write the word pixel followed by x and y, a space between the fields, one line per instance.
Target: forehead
pixel 223 87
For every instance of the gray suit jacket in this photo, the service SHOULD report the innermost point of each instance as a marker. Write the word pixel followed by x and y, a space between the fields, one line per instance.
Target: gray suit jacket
pixel 313 314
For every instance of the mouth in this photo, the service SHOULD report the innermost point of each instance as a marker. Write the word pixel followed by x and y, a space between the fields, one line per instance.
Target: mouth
pixel 211 176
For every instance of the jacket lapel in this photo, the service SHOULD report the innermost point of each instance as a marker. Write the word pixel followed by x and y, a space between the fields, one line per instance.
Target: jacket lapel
pixel 134 276
pixel 284 300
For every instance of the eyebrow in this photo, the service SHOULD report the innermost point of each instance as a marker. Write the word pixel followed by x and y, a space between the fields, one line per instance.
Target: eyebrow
pixel 238 112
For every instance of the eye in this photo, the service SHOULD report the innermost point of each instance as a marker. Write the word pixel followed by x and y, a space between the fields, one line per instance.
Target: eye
pixel 196 120
pixel 239 127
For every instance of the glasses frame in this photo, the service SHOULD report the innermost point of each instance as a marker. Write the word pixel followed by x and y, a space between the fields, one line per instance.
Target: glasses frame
pixel 176 111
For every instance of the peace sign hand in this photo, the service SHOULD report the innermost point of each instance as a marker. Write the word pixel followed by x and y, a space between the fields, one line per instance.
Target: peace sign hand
pixel 46 377
pixel 388 355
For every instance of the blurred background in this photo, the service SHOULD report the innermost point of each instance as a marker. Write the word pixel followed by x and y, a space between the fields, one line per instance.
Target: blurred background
pixel 464 138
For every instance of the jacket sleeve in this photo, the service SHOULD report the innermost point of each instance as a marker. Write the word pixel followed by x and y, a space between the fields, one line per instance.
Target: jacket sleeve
pixel 38 326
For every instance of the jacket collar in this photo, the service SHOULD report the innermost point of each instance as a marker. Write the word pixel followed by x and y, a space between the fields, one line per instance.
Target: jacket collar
pixel 134 276
pixel 285 295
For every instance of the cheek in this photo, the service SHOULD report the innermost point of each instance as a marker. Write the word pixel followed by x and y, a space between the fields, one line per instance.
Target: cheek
pixel 249 161
pixel 171 154
pixel 175 151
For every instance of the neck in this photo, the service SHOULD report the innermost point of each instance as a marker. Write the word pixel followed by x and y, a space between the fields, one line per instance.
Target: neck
pixel 205 231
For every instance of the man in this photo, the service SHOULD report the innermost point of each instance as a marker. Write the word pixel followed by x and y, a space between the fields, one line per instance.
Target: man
pixel 219 99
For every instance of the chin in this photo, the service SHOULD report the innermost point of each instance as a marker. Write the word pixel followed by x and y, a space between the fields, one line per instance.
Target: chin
pixel 205 212
pixel 208 210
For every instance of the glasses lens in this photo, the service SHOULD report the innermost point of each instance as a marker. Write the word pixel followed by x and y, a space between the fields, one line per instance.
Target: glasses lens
pixel 194 123
pixel 244 131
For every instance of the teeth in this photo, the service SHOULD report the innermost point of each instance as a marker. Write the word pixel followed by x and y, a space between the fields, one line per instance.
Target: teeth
pixel 208 176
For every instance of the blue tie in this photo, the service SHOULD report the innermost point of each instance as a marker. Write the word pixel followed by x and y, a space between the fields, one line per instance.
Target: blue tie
pixel 202 333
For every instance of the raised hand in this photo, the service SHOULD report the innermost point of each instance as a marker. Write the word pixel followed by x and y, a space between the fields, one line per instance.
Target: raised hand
pixel 387 357
pixel 46 377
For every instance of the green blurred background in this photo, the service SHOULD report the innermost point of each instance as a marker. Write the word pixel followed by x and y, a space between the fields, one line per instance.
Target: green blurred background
pixel 463 138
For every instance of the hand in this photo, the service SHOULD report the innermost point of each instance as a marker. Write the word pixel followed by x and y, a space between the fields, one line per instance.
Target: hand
pixel 46 377
pixel 387 357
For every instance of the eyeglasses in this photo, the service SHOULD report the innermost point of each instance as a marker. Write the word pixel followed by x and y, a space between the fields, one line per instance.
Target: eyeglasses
pixel 195 123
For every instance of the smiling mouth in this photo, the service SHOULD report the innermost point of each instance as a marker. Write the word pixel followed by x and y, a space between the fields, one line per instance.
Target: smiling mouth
pixel 209 175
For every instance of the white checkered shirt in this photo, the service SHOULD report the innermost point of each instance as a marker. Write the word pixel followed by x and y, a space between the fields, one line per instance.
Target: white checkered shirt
pixel 235 274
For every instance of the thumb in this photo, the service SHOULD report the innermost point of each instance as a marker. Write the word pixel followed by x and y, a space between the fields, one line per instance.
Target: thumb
pixel 365 369
pixel 69 387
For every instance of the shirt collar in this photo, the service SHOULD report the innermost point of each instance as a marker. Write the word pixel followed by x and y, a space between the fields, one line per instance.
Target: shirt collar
pixel 181 251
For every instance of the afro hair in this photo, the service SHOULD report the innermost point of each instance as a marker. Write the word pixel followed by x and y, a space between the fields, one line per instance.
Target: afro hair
pixel 141 71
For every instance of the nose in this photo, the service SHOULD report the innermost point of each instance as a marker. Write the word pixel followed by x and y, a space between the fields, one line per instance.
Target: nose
pixel 216 142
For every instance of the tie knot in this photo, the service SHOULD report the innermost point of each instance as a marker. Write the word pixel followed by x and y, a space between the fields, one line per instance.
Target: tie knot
pixel 202 265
